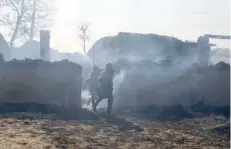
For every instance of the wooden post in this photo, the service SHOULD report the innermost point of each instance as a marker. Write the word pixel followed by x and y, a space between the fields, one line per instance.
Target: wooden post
pixel 45 45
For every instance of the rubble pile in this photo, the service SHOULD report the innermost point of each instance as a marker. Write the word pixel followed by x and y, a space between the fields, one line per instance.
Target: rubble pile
pixel 170 92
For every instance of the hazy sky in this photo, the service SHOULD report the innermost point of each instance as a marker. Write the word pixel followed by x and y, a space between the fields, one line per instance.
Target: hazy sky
pixel 185 19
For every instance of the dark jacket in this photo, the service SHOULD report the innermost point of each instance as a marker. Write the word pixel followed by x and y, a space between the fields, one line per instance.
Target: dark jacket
pixel 106 84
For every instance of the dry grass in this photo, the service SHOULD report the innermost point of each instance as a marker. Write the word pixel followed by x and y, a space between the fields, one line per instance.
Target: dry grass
pixel 98 134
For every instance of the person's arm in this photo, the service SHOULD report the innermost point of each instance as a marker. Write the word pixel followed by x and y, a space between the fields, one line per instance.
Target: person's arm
pixel 100 76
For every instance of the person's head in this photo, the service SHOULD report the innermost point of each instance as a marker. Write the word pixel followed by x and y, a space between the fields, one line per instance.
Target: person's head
pixel 109 67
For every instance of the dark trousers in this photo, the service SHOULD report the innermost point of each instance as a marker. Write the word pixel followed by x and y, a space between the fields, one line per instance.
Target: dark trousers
pixel 109 106
pixel 109 103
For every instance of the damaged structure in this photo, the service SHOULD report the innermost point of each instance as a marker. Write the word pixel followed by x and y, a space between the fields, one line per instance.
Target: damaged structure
pixel 165 77
pixel 37 81
pixel 204 47
pixel 135 47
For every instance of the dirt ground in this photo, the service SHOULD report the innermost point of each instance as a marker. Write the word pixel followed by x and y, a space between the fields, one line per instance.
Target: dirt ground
pixel 29 133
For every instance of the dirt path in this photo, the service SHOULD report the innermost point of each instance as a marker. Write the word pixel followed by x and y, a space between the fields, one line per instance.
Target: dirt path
pixel 17 133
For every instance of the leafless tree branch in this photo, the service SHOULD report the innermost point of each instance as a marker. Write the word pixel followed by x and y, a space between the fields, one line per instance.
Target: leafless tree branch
pixel 19 17
pixel 83 34
pixel 14 6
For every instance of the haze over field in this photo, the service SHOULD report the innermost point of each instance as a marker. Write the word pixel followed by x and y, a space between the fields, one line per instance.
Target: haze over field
pixel 186 20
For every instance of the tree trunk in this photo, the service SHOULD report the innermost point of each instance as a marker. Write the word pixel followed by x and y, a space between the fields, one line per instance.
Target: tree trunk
pixel 19 19
pixel 13 37
pixel 32 21
pixel 84 45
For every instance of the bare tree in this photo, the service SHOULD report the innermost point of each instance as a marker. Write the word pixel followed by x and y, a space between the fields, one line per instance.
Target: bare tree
pixel 33 20
pixel 20 18
pixel 13 20
pixel 39 16
pixel 83 34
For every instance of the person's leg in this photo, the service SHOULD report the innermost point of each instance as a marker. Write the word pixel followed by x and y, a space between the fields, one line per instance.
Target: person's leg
pixel 98 101
pixel 109 106
pixel 93 103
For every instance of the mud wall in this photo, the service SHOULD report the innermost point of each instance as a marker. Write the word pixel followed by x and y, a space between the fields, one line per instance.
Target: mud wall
pixel 36 81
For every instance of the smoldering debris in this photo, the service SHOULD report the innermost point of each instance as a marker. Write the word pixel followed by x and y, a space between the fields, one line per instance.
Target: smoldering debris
pixel 163 73
pixel 170 91
pixel 159 92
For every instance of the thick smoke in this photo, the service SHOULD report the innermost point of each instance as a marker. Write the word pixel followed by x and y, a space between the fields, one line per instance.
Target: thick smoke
pixel 166 85
pixel 219 54
pixel 85 99
pixel 163 71
pixel 167 81
pixel 118 80
pixel 169 78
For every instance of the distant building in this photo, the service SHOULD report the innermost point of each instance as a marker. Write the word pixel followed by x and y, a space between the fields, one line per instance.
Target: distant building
pixel 4 48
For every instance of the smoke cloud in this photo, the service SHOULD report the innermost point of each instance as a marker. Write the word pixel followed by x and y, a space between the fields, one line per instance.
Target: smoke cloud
pixel 171 77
